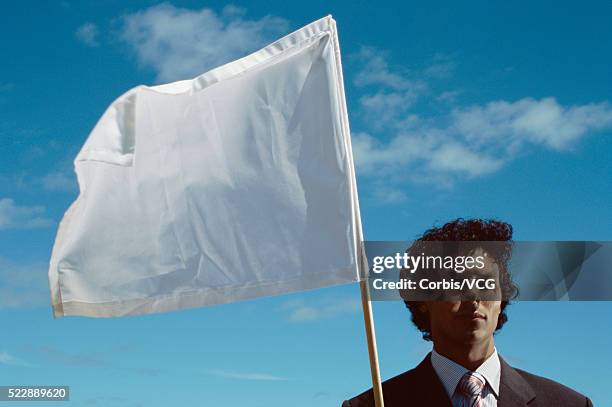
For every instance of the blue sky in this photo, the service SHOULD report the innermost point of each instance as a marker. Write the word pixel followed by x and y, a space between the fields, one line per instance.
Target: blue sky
pixel 479 109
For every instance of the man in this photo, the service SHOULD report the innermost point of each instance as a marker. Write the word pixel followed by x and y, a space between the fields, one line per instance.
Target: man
pixel 464 368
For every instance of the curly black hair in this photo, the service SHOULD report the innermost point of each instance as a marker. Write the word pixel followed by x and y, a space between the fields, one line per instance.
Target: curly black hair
pixel 479 230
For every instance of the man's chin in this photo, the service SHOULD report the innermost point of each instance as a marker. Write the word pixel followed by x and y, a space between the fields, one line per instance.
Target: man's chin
pixel 474 336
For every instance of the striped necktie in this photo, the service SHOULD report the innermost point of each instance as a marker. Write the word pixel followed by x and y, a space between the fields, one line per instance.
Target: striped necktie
pixel 469 390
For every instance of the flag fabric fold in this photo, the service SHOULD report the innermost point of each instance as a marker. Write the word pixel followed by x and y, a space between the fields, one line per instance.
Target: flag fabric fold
pixel 234 185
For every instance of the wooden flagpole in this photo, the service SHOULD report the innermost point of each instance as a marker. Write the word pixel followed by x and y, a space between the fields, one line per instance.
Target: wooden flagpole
pixel 371 338
pixel 363 283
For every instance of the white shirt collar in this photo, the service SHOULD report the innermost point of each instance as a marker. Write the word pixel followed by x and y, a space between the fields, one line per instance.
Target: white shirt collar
pixel 451 372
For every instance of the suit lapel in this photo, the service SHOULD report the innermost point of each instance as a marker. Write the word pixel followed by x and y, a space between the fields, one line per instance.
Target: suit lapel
pixel 514 391
pixel 431 392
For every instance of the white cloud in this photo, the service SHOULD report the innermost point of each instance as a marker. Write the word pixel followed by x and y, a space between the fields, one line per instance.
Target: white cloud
pixel 440 70
pixel 423 151
pixel 7 359
pixel 448 96
pixel 300 311
pixel 457 157
pixel 59 181
pixel 385 194
pixel 442 66
pixel 245 375
pixel 88 34
pixel 478 140
pixel 394 93
pixel 13 216
pixel 376 71
pixel 387 109
pixel 453 142
pixel 543 122
pixel 179 43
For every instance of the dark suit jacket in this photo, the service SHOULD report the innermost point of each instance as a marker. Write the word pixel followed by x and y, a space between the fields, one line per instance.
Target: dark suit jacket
pixel 422 387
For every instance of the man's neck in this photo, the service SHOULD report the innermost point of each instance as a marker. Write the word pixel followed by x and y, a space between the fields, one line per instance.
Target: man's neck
pixel 469 356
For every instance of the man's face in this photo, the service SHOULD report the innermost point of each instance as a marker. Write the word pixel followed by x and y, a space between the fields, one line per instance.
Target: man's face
pixel 465 322
pixel 462 322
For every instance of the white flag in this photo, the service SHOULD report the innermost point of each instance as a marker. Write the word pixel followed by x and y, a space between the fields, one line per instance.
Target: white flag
pixel 233 185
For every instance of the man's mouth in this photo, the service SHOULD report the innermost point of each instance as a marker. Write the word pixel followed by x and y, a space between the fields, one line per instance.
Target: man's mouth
pixel 474 315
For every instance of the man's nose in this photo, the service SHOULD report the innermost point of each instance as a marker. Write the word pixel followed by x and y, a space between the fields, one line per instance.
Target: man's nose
pixel 477 295
pixel 470 304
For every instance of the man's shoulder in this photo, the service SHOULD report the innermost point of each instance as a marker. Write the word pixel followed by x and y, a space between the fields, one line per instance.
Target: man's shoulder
pixel 550 392
pixel 393 386
pixel 417 386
